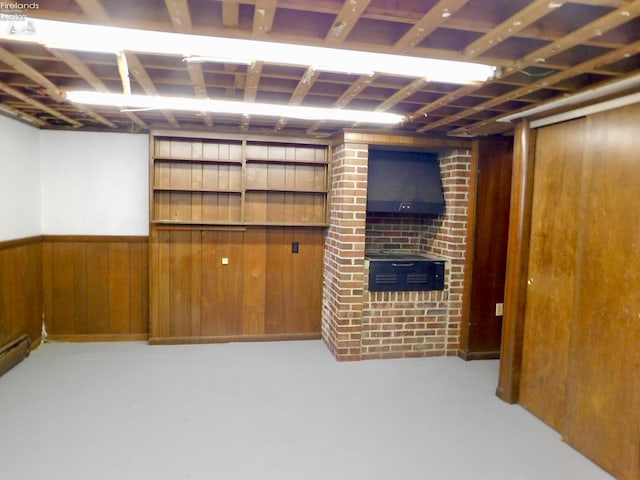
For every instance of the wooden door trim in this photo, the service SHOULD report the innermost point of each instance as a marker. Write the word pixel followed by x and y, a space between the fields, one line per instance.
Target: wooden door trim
pixel 517 264
pixel 470 254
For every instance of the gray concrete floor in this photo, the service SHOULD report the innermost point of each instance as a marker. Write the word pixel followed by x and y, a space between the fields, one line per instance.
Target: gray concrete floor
pixel 282 410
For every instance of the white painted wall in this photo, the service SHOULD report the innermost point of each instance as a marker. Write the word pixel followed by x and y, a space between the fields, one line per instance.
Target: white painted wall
pixel 94 183
pixel 19 180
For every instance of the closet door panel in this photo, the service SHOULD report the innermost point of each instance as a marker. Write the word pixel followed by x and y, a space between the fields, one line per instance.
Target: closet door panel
pixel 603 386
pixel 552 258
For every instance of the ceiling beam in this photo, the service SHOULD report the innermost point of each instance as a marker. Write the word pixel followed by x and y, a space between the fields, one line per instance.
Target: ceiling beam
pixel 525 17
pixel 142 77
pixel 402 94
pixel 180 15
pixel 96 12
pixel 23 68
pixel 596 28
pixel 632 49
pixel 346 19
pixel 85 72
pixel 302 89
pixel 181 20
pixel 251 88
pixel 263 16
pixel 50 88
pixel 435 17
pixel 609 21
pixel 354 90
pixel 39 105
pixel 347 97
pixel 23 115
pixel 230 14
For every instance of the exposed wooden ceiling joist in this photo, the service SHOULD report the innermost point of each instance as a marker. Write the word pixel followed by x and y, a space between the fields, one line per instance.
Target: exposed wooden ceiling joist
pixel 433 19
pixel 525 17
pixel 85 73
pixel 264 13
pixel 583 43
pixel 230 14
pixel 558 77
pixel 345 21
pixel 181 20
pixel 39 105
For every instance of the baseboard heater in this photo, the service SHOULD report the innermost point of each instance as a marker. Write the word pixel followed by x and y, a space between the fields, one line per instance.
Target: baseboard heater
pixel 13 353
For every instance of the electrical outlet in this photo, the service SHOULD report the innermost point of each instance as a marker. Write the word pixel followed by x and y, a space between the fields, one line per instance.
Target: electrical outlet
pixel 225 261
pixel 499 309
pixel 295 247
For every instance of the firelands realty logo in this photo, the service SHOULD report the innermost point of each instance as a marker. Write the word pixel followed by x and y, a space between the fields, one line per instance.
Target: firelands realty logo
pixel 15 12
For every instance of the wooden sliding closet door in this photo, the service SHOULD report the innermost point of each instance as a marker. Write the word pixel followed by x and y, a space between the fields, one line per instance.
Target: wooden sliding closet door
pixel 581 354
pixel 552 257
pixel 603 387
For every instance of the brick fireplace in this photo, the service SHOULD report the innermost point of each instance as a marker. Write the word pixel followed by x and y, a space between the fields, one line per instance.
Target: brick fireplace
pixel 358 324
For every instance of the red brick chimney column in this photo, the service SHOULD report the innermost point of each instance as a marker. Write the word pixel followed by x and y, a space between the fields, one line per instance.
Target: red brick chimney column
pixel 344 252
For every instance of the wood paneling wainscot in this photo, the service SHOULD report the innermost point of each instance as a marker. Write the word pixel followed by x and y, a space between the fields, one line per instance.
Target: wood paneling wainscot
pixel 21 290
pixel 230 285
pixel 95 288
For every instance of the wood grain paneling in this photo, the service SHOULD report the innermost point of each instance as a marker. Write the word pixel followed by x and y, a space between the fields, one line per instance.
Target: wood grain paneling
pixel 603 385
pixel 95 288
pixel 552 257
pixel 582 329
pixel 20 290
pixel 292 280
pixel 264 291
pixel 481 330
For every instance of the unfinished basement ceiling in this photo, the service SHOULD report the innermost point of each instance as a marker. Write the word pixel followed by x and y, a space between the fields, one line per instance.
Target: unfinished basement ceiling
pixel 545 49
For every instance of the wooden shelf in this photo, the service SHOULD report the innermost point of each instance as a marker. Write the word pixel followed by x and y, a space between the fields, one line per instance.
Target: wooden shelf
pixel 197 160
pixel 203 182
pixel 285 190
pixel 234 225
pixel 196 225
pixel 287 162
pixel 286 224
pixel 195 190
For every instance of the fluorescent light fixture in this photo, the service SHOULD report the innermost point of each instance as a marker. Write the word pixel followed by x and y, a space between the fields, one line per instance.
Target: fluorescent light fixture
pixel 231 107
pixel 215 59
pixel 104 39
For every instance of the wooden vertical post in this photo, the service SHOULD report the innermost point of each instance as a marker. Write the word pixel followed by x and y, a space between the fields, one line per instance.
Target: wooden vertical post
pixel 517 264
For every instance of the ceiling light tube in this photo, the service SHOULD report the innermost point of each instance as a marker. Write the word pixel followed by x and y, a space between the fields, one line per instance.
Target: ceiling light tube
pixel 216 59
pixel 231 107
pixel 105 39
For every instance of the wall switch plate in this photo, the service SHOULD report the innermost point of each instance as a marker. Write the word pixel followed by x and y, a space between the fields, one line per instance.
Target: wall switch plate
pixel 499 309
pixel 295 247
pixel 225 261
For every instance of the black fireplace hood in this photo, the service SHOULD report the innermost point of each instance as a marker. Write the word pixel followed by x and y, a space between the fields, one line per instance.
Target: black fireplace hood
pixel 404 182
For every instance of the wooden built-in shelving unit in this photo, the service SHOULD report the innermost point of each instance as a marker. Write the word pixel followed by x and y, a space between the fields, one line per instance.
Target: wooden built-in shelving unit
pixel 237 181
pixel 236 237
